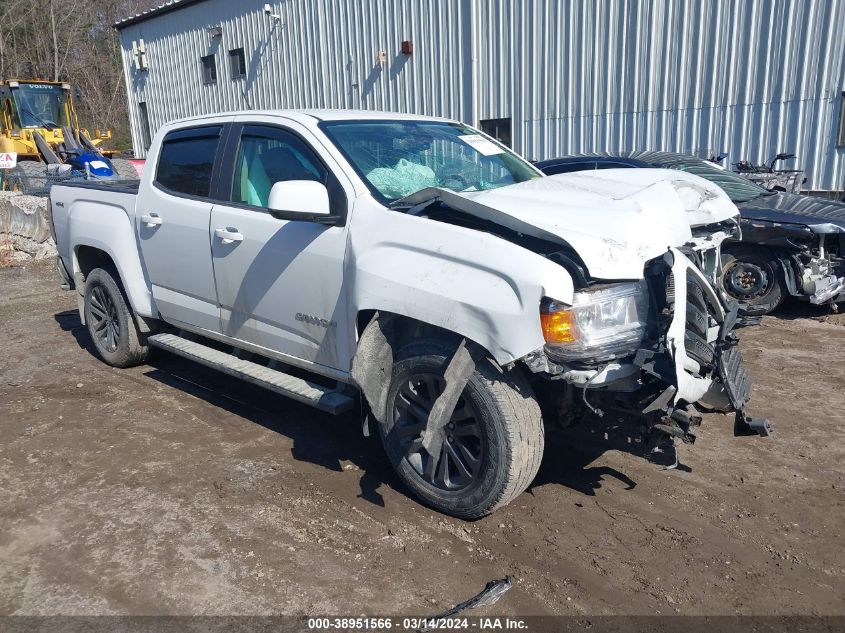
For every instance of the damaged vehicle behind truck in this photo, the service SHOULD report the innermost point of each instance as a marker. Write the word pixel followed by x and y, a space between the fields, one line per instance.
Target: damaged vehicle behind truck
pixel 792 245
pixel 470 299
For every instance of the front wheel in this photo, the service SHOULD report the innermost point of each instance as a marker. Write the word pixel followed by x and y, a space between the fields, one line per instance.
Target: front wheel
pixel 110 321
pixel 485 456
pixel 754 279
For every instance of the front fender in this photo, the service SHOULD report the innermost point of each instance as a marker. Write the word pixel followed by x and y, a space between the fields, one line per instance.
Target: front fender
pixel 108 228
pixel 468 282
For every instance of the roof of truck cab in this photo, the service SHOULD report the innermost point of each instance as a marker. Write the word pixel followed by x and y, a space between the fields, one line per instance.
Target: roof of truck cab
pixel 309 115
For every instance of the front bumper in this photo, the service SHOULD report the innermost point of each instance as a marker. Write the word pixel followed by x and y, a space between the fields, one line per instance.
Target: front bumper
pixel 690 363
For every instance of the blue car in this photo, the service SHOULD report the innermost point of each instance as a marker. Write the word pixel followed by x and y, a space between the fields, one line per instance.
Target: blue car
pixel 792 245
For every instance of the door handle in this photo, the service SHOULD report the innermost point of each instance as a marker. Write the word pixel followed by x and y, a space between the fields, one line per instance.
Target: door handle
pixel 151 219
pixel 228 236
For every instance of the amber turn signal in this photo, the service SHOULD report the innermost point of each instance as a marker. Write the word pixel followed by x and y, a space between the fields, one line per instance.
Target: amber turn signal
pixel 558 326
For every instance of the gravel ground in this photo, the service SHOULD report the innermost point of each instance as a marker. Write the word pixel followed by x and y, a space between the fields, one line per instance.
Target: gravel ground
pixel 171 489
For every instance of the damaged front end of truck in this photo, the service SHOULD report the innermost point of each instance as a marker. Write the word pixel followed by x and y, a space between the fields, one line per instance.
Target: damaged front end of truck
pixel 657 348
pixel 686 363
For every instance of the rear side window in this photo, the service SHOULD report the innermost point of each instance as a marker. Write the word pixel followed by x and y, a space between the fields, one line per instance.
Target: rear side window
pixel 186 161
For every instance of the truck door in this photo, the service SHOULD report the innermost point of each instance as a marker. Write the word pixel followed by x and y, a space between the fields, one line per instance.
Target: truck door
pixel 279 283
pixel 172 218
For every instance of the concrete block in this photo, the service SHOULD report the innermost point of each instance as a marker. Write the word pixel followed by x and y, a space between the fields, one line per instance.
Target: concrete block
pixel 24 223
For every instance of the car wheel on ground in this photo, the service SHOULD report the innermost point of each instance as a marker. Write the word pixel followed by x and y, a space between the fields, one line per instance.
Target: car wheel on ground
pixel 490 450
pixel 754 278
pixel 110 321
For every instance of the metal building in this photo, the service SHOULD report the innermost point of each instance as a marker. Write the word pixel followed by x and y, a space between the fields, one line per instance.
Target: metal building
pixel 548 77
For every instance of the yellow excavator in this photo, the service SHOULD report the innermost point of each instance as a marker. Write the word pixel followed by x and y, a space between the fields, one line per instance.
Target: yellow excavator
pixel 41 141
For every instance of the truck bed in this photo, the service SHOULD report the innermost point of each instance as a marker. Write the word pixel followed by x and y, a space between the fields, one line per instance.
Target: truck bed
pixel 107 207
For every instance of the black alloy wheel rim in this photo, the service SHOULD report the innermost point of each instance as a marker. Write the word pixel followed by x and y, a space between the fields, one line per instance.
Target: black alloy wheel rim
pixel 747 281
pixel 457 464
pixel 105 326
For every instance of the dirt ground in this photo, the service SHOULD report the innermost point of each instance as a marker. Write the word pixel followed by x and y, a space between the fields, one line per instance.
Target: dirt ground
pixel 171 489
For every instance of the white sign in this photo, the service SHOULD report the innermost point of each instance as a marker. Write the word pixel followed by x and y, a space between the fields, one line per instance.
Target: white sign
pixel 8 160
pixel 98 164
pixel 481 144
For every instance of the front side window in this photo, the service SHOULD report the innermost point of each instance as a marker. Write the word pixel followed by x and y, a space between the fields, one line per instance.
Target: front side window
pixel 209 69
pixel 267 156
pixel 398 158
pixel 186 161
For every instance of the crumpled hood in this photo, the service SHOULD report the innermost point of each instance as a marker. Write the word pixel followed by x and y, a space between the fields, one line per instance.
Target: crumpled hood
pixel 615 219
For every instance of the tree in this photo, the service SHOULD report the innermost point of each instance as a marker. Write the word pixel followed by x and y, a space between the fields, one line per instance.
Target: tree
pixel 73 41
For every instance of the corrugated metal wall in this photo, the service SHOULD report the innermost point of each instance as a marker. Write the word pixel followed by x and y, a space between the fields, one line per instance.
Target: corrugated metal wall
pixel 752 77
pixel 321 53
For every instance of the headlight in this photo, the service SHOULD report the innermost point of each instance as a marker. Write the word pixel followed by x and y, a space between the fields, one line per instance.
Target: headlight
pixel 600 324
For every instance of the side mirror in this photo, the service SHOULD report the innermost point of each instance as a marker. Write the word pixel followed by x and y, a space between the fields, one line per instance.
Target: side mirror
pixel 306 200
pixel 5 93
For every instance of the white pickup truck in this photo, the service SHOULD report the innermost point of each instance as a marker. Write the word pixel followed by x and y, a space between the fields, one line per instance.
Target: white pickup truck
pixel 470 299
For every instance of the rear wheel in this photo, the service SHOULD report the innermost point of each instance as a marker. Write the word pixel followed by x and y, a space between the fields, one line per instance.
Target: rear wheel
pixel 754 278
pixel 110 321
pixel 489 451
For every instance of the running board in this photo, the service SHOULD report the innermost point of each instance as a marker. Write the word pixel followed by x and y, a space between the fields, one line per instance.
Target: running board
pixel 323 398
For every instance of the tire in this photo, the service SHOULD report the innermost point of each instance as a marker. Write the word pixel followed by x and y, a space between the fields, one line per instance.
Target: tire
pixel 111 324
pixel 124 170
pixel 497 421
pixel 28 177
pixel 755 279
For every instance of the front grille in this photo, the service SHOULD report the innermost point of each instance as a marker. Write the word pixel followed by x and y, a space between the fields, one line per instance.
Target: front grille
pixel 709 342
pixel 698 313
pixel 698 323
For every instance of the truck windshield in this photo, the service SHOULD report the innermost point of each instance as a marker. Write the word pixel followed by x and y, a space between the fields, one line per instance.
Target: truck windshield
pixel 398 158
pixel 739 189
pixel 41 105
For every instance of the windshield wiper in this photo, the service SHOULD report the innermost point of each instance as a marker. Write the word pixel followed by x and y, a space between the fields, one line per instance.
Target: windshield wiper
pixel 50 125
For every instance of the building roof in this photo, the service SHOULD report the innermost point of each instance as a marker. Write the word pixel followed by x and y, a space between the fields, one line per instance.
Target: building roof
pixel 165 7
